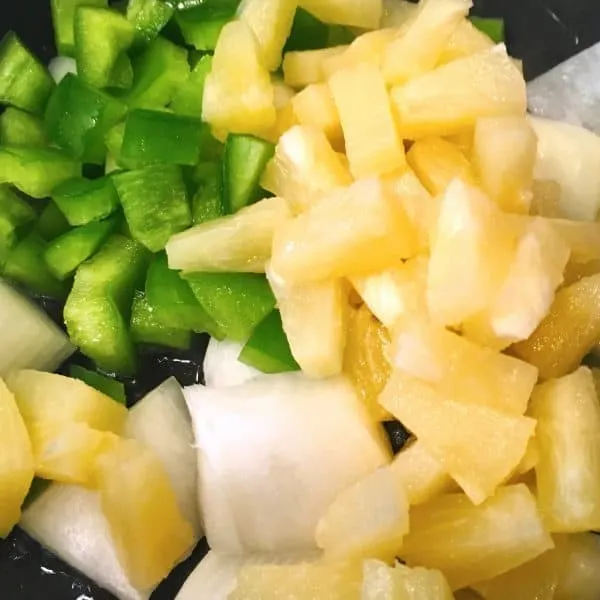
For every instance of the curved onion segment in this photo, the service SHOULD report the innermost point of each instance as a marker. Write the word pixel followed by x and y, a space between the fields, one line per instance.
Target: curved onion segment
pixel 222 367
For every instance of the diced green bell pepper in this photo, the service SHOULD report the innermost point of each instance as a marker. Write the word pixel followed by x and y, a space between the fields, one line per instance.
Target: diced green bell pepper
pixel 149 17
pixel 20 128
pixel 155 204
pixel 188 99
pixel 24 81
pixel 78 117
pixel 202 24
pixel 15 214
pixel 493 28
pixel 148 328
pixel 339 35
pixel 102 37
pixel 67 252
pixel 63 16
pixel 268 349
pixel 237 302
pixel 36 171
pixel 107 385
pixel 52 223
pixel 207 203
pixel 308 33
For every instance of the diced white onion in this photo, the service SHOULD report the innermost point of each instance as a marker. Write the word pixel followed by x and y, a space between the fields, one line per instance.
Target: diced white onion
pixel 61 66
pixel 222 367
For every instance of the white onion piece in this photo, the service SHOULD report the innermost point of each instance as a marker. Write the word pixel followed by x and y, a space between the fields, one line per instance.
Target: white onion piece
pixel 61 66
pixel 30 340
pixel 162 422
pixel 270 461
pixel 222 367
pixel 570 155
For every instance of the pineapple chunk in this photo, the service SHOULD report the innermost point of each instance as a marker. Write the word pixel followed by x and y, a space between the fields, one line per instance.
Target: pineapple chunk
pixel 395 293
pixel 49 398
pixel 504 154
pixel 436 162
pixel 16 461
pixel 580 577
pixel 365 14
pixel 582 238
pixel 271 22
pixel 528 291
pixel 314 107
pixel 372 143
pixel 418 47
pixel 397 13
pixel 303 68
pixel 454 96
pixel 422 476
pixel 473 247
pixel 306 309
pixel 285 117
pixel 150 534
pixel 479 447
pixel 568 333
pixel 365 360
pixel 305 168
pixel 355 231
pixel 304 581
pixel 464 41
pixel 238 93
pixel 568 436
pixel 240 242
pixel 475 543
pixel 368 519
pixel 545 196
pixel 462 370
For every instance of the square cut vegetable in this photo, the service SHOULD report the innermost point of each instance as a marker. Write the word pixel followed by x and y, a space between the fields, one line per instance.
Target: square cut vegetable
pixel 356 230
pixel 188 98
pixel 372 142
pixel 19 128
pixel 465 40
pixel 15 213
pixel 63 16
pixel 478 446
pixel 453 96
pixel 301 69
pixel 207 203
pixel 473 543
pixel 149 17
pixel 421 41
pixel 235 243
pixel 365 14
pixel 314 107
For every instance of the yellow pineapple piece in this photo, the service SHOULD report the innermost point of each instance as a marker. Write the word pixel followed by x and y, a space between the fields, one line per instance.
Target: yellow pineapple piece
pixel 583 238
pixel 303 581
pixel 462 370
pixel 240 242
pixel 464 41
pixel 422 476
pixel 470 543
pixel 356 13
pixel 545 198
pixel 504 155
pixel 526 295
pixel 16 461
pixel 530 459
pixel 305 67
pixel 452 97
pixel 372 143
pixel 579 576
pixel 271 22
pixel 397 13
pixel 470 255
pixel 365 360
pixel 436 162
pixel 304 309
pixel 238 93
pixel 305 168
pixel 285 117
pixel 356 230
pixel 568 333
pixel 395 293
pixel 568 437
pixel 479 447
pixel 314 107
pixel 418 47
pixel 150 534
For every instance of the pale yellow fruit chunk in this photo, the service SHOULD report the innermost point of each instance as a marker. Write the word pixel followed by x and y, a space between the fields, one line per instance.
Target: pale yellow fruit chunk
pixel 504 154
pixel 419 46
pixel 368 519
pixel 241 242
pixel 464 41
pixel 16 461
pixel 453 96
pixel 583 238
pixel 271 22
pixel 545 196
pixel 436 162
pixel 305 67
pixel 422 476
pixel 475 543
pixel 568 333
pixel 150 534
pixel 357 13
pixel 317 307
pixel 238 93
pixel 568 436
pixel 479 447
pixel 579 577
pixel 355 231
pixel 373 146
pixel 462 370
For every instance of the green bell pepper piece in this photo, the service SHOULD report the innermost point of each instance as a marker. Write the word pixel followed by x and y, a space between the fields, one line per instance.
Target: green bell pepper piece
pixel 493 28
pixel 188 100
pixel 308 33
pixel 52 223
pixel 24 81
pixel 15 214
pixel 63 16
pixel 107 385
pixel 207 203
pixel 149 17
pixel 20 128
pixel 202 24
